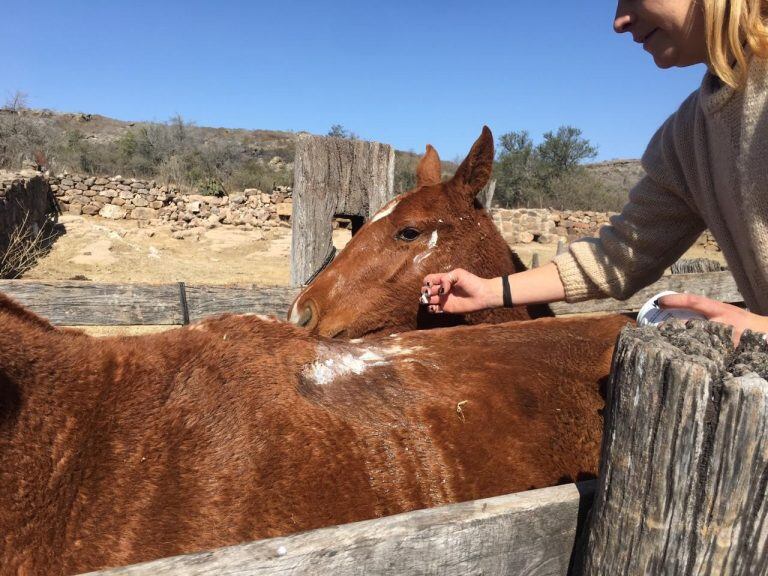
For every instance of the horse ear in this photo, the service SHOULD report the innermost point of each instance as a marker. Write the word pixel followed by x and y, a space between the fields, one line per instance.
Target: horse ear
pixel 428 170
pixel 475 171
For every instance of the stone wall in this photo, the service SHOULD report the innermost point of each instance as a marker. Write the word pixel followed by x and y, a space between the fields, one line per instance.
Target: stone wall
pixel 26 206
pixel 189 213
pixel 545 226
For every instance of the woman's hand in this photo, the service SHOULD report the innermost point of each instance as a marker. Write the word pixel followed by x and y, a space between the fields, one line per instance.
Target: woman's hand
pixel 458 292
pixel 716 311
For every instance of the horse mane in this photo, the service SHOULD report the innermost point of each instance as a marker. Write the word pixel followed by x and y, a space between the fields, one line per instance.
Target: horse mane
pixel 12 308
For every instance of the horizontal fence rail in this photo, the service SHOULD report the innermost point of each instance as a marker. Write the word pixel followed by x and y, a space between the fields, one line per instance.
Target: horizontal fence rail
pixel 529 533
pixel 74 303
pixel 78 303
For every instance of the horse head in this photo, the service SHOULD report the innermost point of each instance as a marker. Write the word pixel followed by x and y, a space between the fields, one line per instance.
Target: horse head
pixel 373 285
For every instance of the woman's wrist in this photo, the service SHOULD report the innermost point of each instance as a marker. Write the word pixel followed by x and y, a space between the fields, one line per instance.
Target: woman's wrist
pixel 493 293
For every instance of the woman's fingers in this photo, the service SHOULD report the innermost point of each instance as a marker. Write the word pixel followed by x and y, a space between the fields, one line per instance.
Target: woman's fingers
pixel 693 302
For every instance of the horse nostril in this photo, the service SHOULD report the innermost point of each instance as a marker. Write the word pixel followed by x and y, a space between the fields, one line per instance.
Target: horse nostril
pixel 305 317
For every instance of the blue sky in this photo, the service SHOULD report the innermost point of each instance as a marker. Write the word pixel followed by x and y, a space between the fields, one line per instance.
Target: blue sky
pixel 405 73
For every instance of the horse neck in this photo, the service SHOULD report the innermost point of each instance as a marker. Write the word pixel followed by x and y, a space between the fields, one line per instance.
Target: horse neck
pixel 510 263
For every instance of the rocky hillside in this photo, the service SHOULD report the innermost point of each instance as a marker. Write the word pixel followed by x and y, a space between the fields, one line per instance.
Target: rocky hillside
pixel 98 145
pixel 617 173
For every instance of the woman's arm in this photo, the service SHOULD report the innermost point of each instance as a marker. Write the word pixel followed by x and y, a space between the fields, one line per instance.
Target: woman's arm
pixel 459 291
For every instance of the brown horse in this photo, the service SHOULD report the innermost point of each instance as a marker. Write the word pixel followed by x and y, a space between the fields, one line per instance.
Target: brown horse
pixel 120 450
pixel 373 285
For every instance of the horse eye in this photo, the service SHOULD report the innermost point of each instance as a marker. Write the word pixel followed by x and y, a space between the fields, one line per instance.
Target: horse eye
pixel 408 234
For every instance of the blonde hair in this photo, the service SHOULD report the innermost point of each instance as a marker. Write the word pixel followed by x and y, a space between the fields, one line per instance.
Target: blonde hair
pixel 736 30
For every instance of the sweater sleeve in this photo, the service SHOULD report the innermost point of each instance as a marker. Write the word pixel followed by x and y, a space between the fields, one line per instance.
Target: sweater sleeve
pixel 658 224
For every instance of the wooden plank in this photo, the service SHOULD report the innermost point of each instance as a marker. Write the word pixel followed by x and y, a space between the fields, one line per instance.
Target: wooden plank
pixel 530 533
pixel 73 303
pixel 77 303
pixel 716 285
pixel 685 456
pixel 87 304
pixel 206 300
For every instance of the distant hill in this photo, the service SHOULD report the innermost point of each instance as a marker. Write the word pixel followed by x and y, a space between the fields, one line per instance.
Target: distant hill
pixel 239 158
pixel 617 173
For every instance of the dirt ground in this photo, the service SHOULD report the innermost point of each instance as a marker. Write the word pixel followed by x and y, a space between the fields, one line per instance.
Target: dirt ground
pixel 102 250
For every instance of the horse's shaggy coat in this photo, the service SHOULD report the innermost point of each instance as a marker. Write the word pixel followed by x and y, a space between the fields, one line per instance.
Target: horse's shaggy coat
pixel 119 450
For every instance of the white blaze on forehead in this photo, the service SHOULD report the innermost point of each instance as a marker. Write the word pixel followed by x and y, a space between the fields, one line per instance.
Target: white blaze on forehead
pixel 337 361
pixel 386 210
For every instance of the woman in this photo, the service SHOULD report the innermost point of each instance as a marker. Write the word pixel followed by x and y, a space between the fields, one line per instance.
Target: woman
pixel 706 167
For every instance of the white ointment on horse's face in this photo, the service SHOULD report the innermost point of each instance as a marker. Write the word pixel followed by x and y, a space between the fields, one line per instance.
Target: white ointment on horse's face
pixel 419 258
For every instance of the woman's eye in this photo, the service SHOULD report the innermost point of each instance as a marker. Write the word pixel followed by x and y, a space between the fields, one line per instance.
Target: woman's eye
pixel 408 234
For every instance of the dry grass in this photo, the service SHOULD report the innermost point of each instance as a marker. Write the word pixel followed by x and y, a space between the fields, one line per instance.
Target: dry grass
pixel 26 245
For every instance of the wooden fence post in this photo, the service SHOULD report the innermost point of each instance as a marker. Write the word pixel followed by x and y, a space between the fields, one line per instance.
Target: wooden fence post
pixel 685 456
pixel 333 176
pixel 487 194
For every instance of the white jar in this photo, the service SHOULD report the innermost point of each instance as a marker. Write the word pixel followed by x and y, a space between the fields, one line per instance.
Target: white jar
pixel 652 315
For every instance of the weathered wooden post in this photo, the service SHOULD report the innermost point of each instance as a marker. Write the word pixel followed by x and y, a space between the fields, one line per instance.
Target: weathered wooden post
pixel 562 247
pixel 334 176
pixel 685 456
pixel 487 194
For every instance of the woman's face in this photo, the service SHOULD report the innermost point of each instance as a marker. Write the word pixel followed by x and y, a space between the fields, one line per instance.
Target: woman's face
pixel 671 30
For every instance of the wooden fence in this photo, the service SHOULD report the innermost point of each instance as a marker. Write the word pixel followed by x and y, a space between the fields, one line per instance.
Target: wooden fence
pixel 77 303
pixel 529 533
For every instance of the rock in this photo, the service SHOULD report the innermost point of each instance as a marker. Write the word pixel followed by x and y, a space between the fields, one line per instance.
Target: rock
pixel 90 210
pixel 194 207
pixel 252 192
pixel 157 204
pixel 548 239
pixel 237 199
pixel 284 209
pixel 112 212
pixel 76 209
pixel 117 201
pixel 266 199
pixel 143 213
pixel 525 237
pixel 140 202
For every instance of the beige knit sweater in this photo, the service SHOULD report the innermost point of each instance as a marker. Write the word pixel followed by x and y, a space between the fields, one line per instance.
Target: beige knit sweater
pixel 707 167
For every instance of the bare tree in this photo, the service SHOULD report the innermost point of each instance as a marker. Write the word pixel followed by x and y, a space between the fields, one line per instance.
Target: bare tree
pixel 17 102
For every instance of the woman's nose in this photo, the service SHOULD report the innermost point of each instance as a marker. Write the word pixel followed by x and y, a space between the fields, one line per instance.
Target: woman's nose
pixel 624 18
